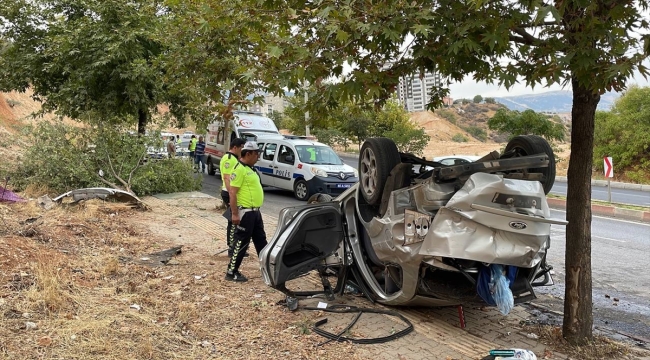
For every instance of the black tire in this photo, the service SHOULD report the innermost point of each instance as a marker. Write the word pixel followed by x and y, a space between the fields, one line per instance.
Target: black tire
pixel 377 158
pixel 212 170
pixel 524 145
pixel 301 190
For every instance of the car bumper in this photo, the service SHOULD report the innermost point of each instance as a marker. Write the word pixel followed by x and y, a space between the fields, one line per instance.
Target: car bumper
pixel 329 186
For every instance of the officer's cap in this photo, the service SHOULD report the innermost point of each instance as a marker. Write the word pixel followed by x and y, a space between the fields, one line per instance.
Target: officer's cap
pixel 250 146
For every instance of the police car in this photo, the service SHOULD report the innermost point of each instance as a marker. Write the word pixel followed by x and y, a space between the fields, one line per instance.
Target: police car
pixel 303 166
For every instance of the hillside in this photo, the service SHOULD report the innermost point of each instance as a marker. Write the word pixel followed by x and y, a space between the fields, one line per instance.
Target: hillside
pixel 442 131
pixel 443 124
pixel 552 101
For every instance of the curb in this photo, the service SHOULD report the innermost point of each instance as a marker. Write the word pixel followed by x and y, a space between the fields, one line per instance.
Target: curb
pixel 613 184
pixel 605 210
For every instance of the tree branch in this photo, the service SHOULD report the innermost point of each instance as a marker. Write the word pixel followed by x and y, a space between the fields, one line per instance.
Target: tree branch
pixel 530 39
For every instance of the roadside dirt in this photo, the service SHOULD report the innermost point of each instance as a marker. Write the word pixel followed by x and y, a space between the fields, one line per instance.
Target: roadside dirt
pixel 66 291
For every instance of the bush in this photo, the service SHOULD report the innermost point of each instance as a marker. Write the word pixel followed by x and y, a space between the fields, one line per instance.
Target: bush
pixel 165 176
pixel 447 115
pixel 331 137
pixel 476 132
pixel 63 158
pixel 459 138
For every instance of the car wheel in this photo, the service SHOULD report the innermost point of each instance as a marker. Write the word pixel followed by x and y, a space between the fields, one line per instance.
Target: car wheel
pixel 377 158
pixel 211 168
pixel 301 190
pixel 524 145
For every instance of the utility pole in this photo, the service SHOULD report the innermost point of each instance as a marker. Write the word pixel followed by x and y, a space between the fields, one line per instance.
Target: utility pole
pixel 306 111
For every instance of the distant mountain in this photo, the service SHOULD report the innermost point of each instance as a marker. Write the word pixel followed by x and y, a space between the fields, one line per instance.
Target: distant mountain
pixel 553 101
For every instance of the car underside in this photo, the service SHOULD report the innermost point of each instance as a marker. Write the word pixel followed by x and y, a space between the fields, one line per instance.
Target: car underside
pixel 416 232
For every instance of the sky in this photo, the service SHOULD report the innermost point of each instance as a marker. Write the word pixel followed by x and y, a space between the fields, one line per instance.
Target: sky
pixel 470 88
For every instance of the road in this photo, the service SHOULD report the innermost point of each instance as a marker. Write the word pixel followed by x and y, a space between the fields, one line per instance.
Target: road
pixel 619 260
pixel 622 196
pixel 619 270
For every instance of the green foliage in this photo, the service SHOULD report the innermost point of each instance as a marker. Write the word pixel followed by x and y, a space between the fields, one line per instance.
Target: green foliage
pixel 64 157
pixel 166 176
pixel 478 99
pixel 514 123
pixel 408 138
pixel 92 56
pixel 490 100
pixel 466 101
pixel 278 119
pixel 476 132
pixel 447 115
pixel 624 134
pixel 331 137
pixel 459 138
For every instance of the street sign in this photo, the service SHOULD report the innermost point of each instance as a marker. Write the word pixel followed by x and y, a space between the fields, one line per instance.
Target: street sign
pixel 609 167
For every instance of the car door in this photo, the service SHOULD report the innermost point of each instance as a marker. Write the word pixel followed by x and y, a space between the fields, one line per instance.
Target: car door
pixel 305 237
pixel 284 167
pixel 265 164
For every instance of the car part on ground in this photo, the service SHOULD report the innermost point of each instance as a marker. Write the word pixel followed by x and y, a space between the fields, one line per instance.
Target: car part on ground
pixel 405 238
pixel 101 193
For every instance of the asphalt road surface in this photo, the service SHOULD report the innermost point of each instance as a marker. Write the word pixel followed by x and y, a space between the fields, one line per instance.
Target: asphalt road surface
pixel 619 264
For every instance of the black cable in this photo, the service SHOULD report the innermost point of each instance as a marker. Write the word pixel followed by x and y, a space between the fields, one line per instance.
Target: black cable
pixel 343 309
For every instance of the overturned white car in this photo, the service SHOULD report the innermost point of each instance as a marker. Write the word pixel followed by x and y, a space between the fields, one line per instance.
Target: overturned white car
pixel 433 238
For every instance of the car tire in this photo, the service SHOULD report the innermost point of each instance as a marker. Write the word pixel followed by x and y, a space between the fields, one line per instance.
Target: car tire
pixel 378 156
pixel 524 145
pixel 301 190
pixel 212 170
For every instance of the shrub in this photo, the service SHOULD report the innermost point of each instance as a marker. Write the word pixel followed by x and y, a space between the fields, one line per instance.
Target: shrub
pixel 476 132
pixel 459 138
pixel 63 158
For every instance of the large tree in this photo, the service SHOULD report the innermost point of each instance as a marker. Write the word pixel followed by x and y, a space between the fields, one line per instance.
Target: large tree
pixel 592 46
pixel 85 59
pixel 528 122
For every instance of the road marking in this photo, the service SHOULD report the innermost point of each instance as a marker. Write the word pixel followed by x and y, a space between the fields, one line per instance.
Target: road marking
pixel 609 218
pixel 610 239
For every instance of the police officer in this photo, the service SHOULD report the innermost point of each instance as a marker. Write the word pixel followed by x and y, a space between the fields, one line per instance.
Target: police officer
pixel 246 198
pixel 226 166
pixel 192 146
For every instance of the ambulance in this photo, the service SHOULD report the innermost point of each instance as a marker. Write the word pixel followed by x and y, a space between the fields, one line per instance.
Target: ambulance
pixel 244 124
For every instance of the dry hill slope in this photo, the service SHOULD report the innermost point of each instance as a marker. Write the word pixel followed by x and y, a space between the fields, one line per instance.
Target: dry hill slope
pixel 441 132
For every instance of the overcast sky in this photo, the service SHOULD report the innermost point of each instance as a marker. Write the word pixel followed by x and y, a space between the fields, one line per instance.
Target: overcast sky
pixel 469 88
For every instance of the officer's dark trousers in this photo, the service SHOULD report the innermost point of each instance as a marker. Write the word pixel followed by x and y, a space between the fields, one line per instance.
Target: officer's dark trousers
pixel 230 230
pixel 250 226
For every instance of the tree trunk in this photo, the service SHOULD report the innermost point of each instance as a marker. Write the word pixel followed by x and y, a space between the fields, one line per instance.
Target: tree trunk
pixel 578 317
pixel 142 122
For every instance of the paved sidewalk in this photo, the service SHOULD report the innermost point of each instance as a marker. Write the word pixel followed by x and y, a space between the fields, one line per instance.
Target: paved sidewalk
pixel 437 332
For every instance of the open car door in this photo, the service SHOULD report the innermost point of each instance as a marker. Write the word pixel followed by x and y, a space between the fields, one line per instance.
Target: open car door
pixel 305 237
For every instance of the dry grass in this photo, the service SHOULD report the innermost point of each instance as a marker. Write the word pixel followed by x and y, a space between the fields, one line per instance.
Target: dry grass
pixel 600 348
pixel 60 270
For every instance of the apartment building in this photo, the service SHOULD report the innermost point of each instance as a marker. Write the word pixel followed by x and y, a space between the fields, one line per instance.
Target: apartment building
pixel 271 103
pixel 414 92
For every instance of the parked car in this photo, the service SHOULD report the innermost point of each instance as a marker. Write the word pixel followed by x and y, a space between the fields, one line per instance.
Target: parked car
pixel 303 166
pixel 432 239
pixel 455 159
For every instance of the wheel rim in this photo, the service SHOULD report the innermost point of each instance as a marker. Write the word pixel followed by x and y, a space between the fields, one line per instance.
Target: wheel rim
pixel 301 190
pixel 368 172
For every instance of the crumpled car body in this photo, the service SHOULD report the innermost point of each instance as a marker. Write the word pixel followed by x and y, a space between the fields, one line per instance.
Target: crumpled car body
pixel 425 241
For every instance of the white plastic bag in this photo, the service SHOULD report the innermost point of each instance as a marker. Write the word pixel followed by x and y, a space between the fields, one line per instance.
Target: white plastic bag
pixel 520 354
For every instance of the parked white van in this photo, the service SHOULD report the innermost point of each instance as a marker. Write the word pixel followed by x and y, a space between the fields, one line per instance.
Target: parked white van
pixel 245 124
pixel 303 166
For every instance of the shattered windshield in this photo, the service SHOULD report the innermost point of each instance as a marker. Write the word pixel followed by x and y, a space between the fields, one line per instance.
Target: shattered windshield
pixel 322 155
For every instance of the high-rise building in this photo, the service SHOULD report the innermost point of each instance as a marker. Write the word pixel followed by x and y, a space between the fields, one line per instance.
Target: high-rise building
pixel 414 93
